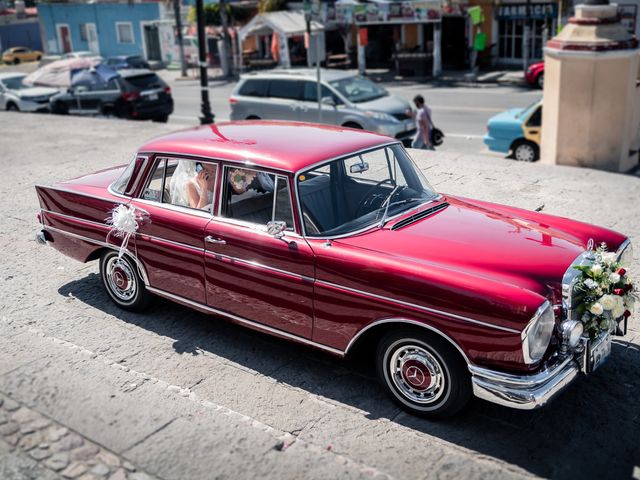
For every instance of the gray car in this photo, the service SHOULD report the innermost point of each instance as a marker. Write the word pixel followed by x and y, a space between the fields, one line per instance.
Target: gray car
pixel 347 99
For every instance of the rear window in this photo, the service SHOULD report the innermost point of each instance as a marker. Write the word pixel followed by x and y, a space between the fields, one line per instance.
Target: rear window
pixel 254 88
pixel 146 81
pixel 126 183
pixel 285 89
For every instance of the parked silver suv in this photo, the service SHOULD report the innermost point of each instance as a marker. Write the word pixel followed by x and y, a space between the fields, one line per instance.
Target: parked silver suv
pixel 347 99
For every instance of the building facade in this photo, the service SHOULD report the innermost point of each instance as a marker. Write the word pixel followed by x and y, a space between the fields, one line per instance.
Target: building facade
pixel 107 29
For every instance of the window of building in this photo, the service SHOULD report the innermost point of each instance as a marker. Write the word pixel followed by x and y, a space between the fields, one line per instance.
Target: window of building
pixel 83 32
pixel 124 31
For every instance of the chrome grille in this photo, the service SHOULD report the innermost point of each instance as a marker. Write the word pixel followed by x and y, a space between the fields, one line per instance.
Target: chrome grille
pixel 570 296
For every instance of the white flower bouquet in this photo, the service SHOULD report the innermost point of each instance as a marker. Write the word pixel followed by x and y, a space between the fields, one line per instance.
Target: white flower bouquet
pixel 607 292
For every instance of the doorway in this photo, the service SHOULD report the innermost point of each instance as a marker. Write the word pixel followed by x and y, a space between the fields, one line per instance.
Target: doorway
pixel 92 38
pixel 454 42
pixel 64 39
pixel 152 42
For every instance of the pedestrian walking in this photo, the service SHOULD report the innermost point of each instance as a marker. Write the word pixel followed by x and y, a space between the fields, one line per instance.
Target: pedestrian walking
pixel 424 125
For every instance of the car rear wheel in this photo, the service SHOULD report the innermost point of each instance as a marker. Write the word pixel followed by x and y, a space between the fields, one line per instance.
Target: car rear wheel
pixel 16 61
pixel 423 373
pixel 12 107
pixel 525 151
pixel 540 80
pixel 253 117
pixel 122 281
pixel 352 125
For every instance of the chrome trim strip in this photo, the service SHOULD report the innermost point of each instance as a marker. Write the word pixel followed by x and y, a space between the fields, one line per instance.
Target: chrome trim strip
pixel 83 194
pixel 252 263
pixel 141 269
pixel 71 217
pixel 144 236
pixel 245 321
pixel 322 283
pixel 524 392
pixel 408 321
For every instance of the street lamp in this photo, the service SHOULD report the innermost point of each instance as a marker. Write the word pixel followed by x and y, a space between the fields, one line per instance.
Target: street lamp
pixel 207 116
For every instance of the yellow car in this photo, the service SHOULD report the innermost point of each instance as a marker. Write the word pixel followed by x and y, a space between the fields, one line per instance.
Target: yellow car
pixel 16 55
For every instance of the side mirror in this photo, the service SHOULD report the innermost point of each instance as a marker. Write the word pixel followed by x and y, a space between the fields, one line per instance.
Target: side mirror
pixel 276 228
pixel 328 101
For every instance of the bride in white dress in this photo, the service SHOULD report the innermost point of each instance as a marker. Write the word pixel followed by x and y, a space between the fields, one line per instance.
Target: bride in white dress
pixel 192 188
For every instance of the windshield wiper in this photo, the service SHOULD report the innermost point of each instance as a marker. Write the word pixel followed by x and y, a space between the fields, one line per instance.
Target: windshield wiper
pixel 399 202
pixel 388 203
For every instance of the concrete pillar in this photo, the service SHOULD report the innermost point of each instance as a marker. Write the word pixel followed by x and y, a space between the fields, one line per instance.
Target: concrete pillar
pixel 589 115
pixel 437 51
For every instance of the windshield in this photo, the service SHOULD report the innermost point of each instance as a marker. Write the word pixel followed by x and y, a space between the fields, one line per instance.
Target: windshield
pixel 528 109
pixel 358 89
pixel 14 83
pixel 359 191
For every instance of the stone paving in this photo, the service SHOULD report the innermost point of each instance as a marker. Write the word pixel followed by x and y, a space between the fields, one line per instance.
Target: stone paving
pixel 182 395
pixel 34 446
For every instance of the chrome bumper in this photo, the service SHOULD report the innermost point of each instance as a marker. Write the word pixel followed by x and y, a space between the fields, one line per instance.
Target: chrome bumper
pixel 524 392
pixel 41 237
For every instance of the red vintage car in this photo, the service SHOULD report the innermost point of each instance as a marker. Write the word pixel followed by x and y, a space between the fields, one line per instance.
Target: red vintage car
pixel 535 75
pixel 333 238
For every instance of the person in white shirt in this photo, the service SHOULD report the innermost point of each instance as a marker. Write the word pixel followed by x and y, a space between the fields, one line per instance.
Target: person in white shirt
pixel 424 125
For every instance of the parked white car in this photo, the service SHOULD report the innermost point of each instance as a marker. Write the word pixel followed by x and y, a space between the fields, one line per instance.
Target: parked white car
pixel 17 96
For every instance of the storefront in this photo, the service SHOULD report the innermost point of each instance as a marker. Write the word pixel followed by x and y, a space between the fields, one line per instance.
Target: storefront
pixel 511 19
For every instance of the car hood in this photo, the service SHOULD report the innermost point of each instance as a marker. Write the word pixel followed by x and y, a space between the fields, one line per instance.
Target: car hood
pixel 35 91
pixel 387 104
pixel 486 242
pixel 508 116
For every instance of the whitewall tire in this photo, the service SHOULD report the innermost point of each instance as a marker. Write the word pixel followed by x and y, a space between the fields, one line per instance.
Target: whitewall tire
pixel 122 281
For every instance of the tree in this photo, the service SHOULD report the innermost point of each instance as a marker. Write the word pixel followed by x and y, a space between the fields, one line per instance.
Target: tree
pixel 271 5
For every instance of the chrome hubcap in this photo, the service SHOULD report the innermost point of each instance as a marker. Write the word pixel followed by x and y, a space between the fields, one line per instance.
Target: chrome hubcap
pixel 121 279
pixel 417 374
pixel 525 153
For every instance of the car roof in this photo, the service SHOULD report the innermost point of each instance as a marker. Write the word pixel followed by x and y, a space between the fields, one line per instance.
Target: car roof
pixel 134 72
pixel 6 75
pixel 288 146
pixel 302 73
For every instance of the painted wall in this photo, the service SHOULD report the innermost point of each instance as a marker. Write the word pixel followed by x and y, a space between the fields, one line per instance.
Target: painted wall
pixel 104 16
pixel 25 34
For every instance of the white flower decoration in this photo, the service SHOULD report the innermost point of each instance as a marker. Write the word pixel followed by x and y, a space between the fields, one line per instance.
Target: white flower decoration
pixel 614 277
pixel 596 309
pixel 607 302
pixel 617 311
pixel 596 269
pixel 609 258
pixel 590 284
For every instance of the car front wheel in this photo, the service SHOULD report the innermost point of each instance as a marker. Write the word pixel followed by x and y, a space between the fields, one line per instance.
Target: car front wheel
pixel 423 373
pixel 525 151
pixel 12 107
pixel 540 81
pixel 122 281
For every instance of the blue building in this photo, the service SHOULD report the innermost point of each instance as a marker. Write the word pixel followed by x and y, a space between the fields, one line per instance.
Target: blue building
pixel 107 29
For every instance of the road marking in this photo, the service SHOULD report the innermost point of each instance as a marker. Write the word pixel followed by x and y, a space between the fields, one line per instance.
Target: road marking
pixel 466 109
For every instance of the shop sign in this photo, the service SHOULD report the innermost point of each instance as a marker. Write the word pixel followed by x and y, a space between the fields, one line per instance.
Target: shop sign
pixel 537 11
pixel 396 12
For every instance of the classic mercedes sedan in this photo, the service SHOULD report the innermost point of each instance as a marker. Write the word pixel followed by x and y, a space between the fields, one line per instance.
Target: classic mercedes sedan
pixel 333 238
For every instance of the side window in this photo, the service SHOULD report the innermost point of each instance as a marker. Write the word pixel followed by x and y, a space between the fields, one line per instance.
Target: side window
pixel 535 120
pixel 288 89
pixel 257 197
pixel 185 183
pixel 311 93
pixel 254 88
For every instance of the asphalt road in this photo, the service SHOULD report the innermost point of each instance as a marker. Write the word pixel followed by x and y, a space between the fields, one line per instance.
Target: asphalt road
pixel 461 112
pixel 176 394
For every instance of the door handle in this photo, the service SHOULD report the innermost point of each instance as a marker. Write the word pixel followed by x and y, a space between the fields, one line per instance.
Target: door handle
pixel 210 239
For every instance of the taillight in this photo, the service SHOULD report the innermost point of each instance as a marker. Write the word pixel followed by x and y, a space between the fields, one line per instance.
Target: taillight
pixel 233 100
pixel 167 89
pixel 130 96
pixel 39 218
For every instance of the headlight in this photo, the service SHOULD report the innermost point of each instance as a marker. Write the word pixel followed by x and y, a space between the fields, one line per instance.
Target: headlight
pixel 571 331
pixel 625 253
pixel 385 117
pixel 537 334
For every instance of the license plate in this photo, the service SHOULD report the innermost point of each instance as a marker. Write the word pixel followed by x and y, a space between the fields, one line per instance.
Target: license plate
pixel 153 96
pixel 599 351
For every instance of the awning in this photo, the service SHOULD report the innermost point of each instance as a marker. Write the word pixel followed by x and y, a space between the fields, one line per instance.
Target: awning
pixel 286 23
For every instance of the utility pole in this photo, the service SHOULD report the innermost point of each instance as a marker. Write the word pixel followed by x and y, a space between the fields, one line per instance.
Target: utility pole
pixel 176 13
pixel 225 38
pixel 307 17
pixel 526 37
pixel 207 116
